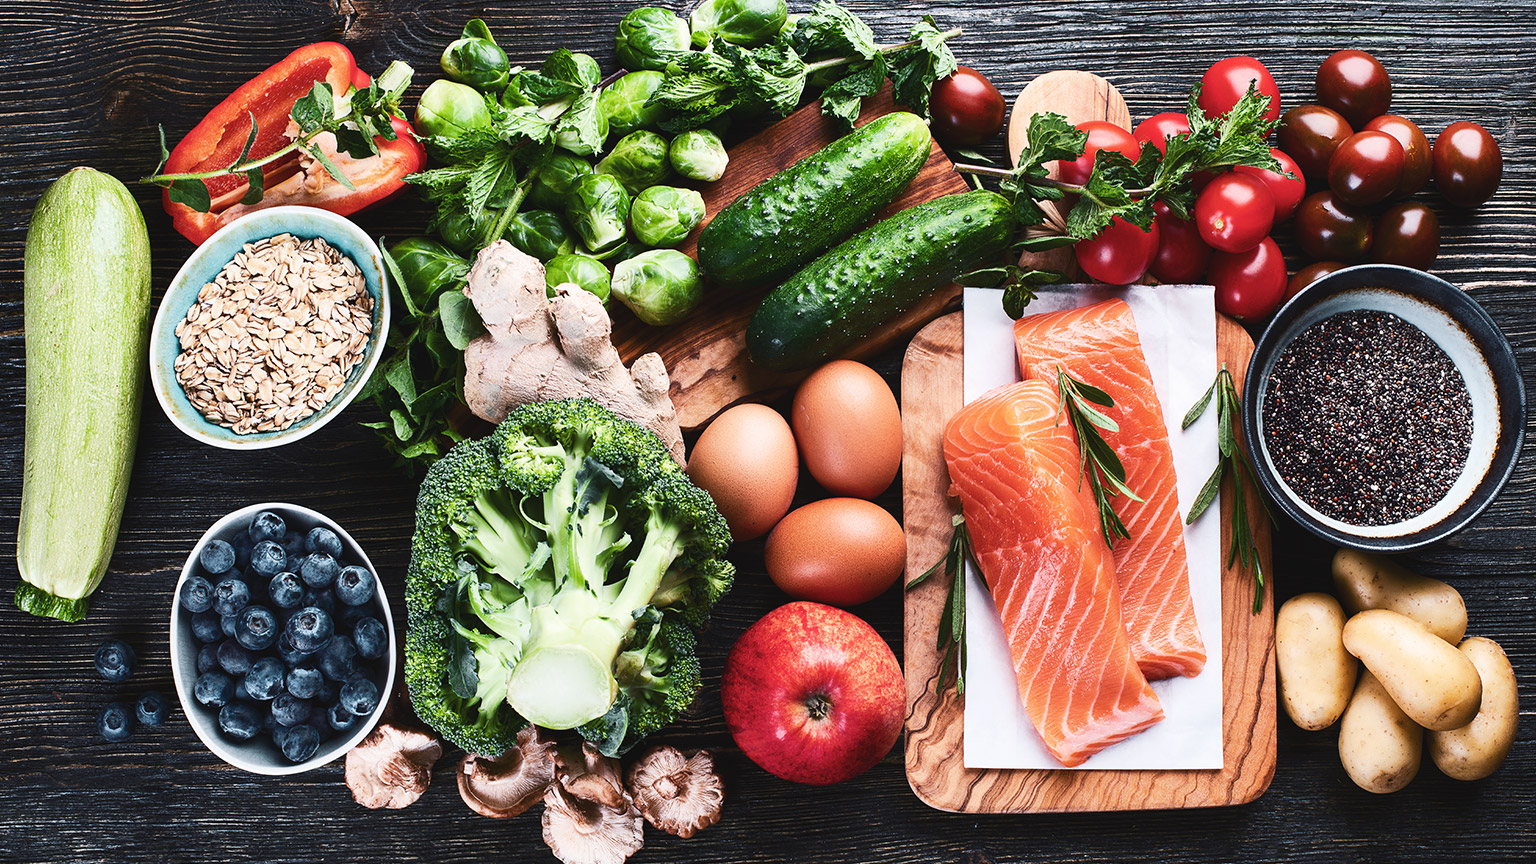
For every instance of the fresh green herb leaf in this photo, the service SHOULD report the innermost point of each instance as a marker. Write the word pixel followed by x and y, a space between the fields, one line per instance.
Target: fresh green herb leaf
pixel 192 193
pixel 461 323
pixel 829 30
pixel 250 141
pixel 913 70
pixel 1098 464
pixel 329 166
pixel 951 629
pixel 255 189
pixel 165 152
pixel 844 97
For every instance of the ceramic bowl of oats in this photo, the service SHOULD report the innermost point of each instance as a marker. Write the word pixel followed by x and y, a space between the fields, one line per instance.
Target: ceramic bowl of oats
pixel 270 329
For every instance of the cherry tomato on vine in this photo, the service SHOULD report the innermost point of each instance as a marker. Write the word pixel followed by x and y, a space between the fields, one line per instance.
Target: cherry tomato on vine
pixel 1102 135
pixel 1417 162
pixel 1287 191
pixel 1356 85
pixel 1160 127
pixel 1367 168
pixel 1249 285
pixel 1234 212
pixel 1310 134
pixel 967 109
pixel 1309 274
pixel 1468 164
pixel 1227 81
pixel 1181 254
pixel 1119 255
pixel 1408 234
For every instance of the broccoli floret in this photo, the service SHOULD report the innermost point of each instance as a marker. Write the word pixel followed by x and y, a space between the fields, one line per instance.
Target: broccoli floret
pixel 556 568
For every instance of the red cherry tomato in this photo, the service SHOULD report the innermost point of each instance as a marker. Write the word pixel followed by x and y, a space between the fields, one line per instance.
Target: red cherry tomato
pixel 1160 127
pixel 1119 255
pixel 1286 191
pixel 1234 212
pixel 1102 135
pixel 1249 285
pixel 967 109
pixel 1228 80
pixel 1181 254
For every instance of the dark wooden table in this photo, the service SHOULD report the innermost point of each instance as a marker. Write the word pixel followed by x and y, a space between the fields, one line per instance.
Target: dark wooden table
pixel 85 83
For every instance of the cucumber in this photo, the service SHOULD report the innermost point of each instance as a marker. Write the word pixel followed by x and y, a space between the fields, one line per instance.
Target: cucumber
pixel 86 314
pixel 876 275
pixel 767 234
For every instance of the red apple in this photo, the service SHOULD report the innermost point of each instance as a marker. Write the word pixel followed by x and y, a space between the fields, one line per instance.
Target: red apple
pixel 813 694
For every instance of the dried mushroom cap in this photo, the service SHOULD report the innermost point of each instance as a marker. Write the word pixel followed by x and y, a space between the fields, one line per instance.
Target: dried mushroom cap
pixel 677 794
pixel 392 766
pixel 509 784
pixel 579 831
pixel 589 775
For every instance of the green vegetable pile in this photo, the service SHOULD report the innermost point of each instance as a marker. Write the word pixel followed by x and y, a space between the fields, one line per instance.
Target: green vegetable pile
pixel 558 571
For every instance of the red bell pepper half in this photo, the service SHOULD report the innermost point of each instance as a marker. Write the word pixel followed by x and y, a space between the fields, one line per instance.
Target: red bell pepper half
pixel 216 141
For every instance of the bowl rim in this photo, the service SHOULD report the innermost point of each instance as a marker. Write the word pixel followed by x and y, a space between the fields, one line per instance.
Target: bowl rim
pixel 162 380
pixel 1462 308
pixel 182 677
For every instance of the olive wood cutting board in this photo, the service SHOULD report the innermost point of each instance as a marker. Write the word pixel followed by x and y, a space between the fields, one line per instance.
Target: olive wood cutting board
pixel 932 392
pixel 706 355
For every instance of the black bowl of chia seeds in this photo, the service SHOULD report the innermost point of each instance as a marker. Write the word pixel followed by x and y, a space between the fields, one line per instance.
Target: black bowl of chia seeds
pixel 1383 408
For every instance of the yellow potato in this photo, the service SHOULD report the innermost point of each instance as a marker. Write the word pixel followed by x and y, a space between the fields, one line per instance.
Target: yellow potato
pixel 1365 581
pixel 1316 673
pixel 1477 749
pixel 1379 745
pixel 1428 678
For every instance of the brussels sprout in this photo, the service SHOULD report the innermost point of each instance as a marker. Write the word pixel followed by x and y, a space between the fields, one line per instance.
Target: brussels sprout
pixel 587 69
pixel 584 270
pixel 426 268
pixel 461 231
pixel 621 252
pixel 556 179
pixel 638 160
pixel 598 210
pixel 698 154
pixel 540 233
pixel 623 102
pixel 648 35
pixel 663 215
pixel 448 110
pixel 568 138
pixel 475 59
pixel 660 286
pixel 748 23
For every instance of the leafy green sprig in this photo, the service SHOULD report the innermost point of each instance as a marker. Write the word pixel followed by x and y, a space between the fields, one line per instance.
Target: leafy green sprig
pixel 1097 462
pixel 951 634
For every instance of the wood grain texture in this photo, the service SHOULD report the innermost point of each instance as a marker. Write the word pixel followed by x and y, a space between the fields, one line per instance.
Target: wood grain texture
pixel 706 355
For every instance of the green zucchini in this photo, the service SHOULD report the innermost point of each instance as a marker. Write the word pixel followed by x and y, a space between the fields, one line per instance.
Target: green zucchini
pixel 876 275
pixel 800 212
pixel 86 314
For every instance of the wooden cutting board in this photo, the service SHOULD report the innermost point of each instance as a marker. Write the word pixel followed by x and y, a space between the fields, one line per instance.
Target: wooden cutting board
pixel 932 392
pixel 706 355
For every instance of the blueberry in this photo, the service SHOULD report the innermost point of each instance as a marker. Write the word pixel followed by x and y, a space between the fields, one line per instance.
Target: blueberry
pixel 291 656
pixel 320 723
pixel 213 689
pixel 256 628
pixel 267 723
pixel 151 708
pixel 268 558
pixel 227 624
pixel 299 743
pixel 196 594
pixel 217 557
pixel 348 616
pixel 230 596
pixel 205 626
pixel 293 544
pixel 207 658
pixel 115 722
pixel 265 680
pixel 354 586
pixel 320 600
pixel 371 638
pixel 241 692
pixel 340 718
pixel 329 690
pixel 310 629
pixel 290 710
pixel 267 525
pixel 243 545
pixel 323 539
pixel 114 660
pixel 240 720
pixel 339 659
pixel 305 682
pixel 233 658
pixel 286 590
pixel 319 570
pixel 359 696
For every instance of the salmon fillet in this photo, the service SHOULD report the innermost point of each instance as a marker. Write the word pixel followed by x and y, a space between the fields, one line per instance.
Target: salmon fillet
pixel 1036 537
pixel 1099 345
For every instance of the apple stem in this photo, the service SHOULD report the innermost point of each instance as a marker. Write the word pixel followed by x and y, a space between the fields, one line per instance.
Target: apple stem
pixel 818 706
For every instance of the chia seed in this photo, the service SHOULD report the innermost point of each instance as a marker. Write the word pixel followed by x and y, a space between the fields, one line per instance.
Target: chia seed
pixel 1367 419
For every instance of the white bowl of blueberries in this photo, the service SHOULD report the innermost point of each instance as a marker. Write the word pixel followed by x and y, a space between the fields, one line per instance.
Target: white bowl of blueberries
pixel 282 645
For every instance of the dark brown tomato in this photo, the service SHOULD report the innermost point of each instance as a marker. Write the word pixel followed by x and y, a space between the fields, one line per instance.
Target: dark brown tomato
pixel 1408 234
pixel 967 109
pixel 1328 230
pixel 1468 164
pixel 1366 168
pixel 1356 85
pixel 1309 274
pixel 1309 134
pixel 1416 151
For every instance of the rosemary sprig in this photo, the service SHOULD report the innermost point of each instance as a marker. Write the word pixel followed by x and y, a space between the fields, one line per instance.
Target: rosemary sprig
pixel 1097 462
pixel 1233 462
pixel 951 637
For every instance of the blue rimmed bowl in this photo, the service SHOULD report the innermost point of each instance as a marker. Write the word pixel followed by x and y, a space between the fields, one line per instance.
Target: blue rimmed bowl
pixel 200 269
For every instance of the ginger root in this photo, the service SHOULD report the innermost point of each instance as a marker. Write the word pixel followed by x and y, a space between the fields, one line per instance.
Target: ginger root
pixel 537 348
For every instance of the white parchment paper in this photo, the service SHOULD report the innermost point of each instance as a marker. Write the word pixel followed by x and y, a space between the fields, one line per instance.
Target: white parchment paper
pixel 1178 335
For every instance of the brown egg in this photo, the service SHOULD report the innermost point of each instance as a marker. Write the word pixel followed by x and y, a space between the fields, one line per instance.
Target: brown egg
pixel 746 461
pixel 848 428
pixel 840 551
